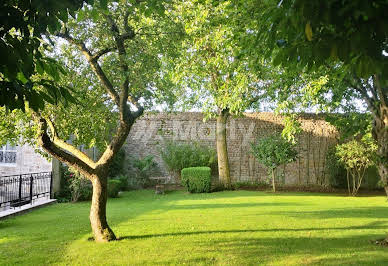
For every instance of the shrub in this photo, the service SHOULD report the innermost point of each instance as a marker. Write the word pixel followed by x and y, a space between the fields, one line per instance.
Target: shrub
pixel 142 170
pixel 113 188
pixel 335 169
pixel 178 156
pixel 81 188
pixel 356 156
pixel 64 193
pixel 197 179
pixel 123 182
pixel 74 186
pixel 273 151
pixel 116 167
pixel 250 184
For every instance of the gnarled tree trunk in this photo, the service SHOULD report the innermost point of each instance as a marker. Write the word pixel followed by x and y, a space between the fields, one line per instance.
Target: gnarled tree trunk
pixel 222 149
pixel 100 227
pixel 380 134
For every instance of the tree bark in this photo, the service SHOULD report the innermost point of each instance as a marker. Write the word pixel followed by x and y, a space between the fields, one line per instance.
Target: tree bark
pixel 273 180
pixel 101 230
pixel 222 149
pixel 380 133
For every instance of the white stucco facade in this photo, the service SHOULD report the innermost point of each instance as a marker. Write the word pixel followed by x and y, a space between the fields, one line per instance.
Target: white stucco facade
pixel 27 161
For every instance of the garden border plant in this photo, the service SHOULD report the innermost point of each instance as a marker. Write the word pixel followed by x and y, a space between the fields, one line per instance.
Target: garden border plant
pixel 197 179
pixel 273 151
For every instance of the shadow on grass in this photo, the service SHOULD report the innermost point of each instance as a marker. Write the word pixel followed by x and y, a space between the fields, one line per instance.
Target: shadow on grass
pixel 250 250
pixel 363 212
pixel 369 226
pixel 66 223
pixel 234 205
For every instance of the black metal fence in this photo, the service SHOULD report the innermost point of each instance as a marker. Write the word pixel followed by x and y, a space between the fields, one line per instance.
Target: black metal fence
pixel 17 190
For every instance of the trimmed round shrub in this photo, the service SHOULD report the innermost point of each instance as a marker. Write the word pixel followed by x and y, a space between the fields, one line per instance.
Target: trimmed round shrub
pixel 114 186
pixel 196 179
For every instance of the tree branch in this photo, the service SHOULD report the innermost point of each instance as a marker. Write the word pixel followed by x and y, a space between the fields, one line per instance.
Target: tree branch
pixel 46 143
pixel 119 40
pixel 94 64
pixel 102 52
pixel 68 147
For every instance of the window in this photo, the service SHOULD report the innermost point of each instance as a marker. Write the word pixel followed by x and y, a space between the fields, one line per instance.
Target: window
pixel 8 154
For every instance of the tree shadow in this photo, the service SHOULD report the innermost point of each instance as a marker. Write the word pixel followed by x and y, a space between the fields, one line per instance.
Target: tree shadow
pixel 368 226
pixel 362 212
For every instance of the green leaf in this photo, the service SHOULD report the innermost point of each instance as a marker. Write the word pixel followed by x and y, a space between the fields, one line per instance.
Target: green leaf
pixel 20 76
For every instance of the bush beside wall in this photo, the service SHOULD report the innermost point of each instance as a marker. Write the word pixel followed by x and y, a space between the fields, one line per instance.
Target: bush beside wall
pixel 114 187
pixel 196 179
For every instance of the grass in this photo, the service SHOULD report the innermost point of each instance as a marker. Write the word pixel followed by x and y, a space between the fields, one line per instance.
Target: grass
pixel 227 228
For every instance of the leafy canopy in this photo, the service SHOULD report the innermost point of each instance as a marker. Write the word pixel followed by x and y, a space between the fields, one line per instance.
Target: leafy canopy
pixel 23 26
pixel 273 151
pixel 311 32
pixel 357 155
pixel 212 68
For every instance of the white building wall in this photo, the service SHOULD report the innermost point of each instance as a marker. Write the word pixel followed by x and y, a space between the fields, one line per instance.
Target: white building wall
pixel 27 161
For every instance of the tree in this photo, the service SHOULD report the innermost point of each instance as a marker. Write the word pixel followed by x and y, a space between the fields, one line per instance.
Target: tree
pixel 356 156
pixel 212 69
pixel 346 37
pixel 273 151
pixel 23 23
pixel 115 71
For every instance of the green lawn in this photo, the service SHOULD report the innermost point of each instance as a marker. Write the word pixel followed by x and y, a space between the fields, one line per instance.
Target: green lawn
pixel 233 228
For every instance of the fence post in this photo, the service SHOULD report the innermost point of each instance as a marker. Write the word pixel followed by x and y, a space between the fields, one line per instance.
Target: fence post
pixel 31 185
pixel 20 188
pixel 51 185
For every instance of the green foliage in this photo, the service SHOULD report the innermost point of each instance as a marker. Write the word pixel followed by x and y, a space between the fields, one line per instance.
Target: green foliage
pixel 22 26
pixel 273 151
pixel 350 125
pixel 64 193
pixel 250 185
pixel 123 182
pixel 143 169
pixel 356 156
pixel 116 168
pixel 313 32
pixel 372 179
pixel 335 170
pixel 91 120
pixel 212 69
pixel 74 187
pixel 114 187
pixel 196 179
pixel 181 155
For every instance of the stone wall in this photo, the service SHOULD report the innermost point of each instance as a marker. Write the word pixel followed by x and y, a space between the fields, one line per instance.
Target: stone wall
pixel 150 132
pixel 27 161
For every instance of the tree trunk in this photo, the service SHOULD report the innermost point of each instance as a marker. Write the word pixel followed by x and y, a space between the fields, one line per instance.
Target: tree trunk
pixel 222 150
pixel 273 180
pixel 380 133
pixel 100 227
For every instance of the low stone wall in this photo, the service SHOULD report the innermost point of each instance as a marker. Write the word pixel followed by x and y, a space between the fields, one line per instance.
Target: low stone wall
pixel 149 133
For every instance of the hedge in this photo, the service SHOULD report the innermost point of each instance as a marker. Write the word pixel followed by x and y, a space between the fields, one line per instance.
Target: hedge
pixel 196 179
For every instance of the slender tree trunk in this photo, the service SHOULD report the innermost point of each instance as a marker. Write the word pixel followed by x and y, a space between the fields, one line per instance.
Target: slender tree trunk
pixel 100 227
pixel 273 180
pixel 347 178
pixel 222 150
pixel 380 133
